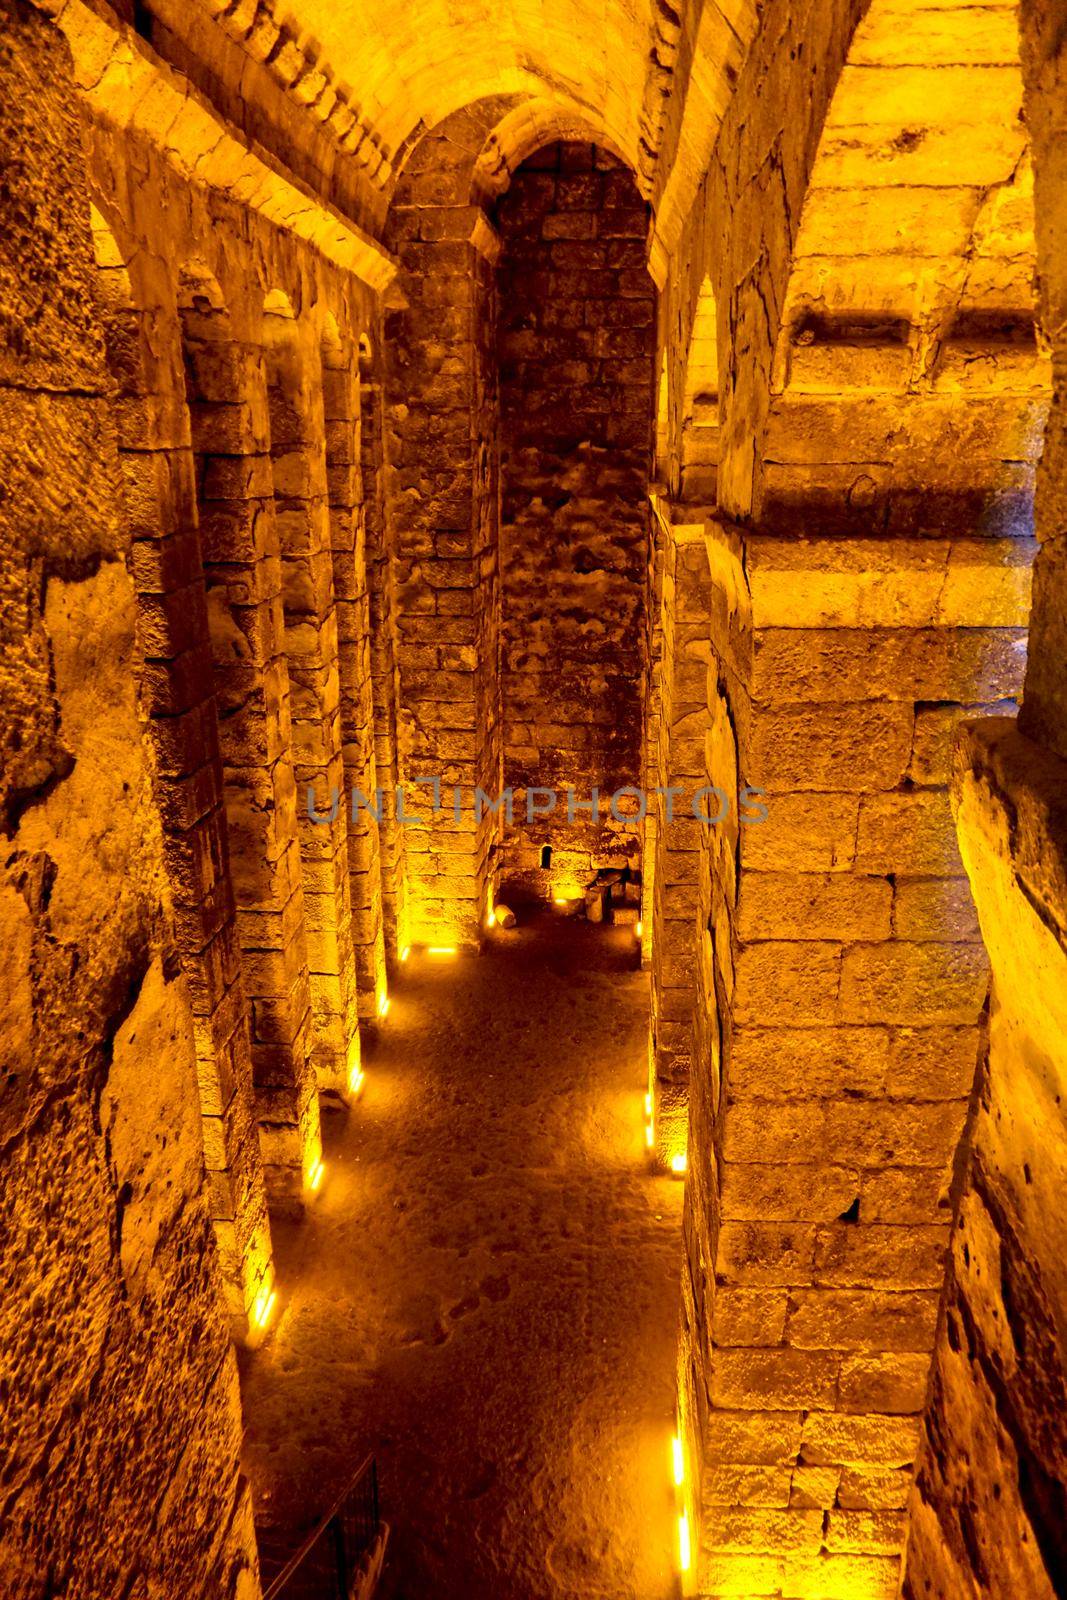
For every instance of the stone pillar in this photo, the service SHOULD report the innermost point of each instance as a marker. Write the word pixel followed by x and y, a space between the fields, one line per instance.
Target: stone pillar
pixel 443 489
pixel 680 776
pixel 842 989
pixel 575 343
pixel 352 604
pixel 385 677
pixel 231 441
pixel 305 529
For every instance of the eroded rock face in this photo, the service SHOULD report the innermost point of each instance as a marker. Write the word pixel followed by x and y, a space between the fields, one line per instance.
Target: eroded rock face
pixel 990 1509
pixel 119 1407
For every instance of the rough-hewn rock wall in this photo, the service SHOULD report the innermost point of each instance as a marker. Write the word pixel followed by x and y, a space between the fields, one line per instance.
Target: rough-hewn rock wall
pixel 989 1511
pixel 988 1514
pixel 120 1409
pixel 576 337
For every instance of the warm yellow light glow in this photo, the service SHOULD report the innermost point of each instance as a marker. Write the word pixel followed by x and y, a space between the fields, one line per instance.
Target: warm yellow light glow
pixel 678 1165
pixel 383 1006
pixel 441 950
pixel 355 1081
pixel 678 1461
pixel 405 952
pixel 650 1135
pixel 264 1307
pixel 639 929
pixel 648 1104
pixel 491 919
pixel 315 1175
pixel 560 900
pixel 685 1553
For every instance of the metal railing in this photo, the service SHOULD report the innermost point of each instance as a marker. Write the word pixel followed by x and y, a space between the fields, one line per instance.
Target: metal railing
pixel 334 1553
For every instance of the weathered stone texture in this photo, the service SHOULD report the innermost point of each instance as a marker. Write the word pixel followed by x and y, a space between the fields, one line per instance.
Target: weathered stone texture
pixel 576 336
pixel 840 999
pixel 988 1513
pixel 442 419
pixel 120 1407
pixel 267 528
pixel 672 832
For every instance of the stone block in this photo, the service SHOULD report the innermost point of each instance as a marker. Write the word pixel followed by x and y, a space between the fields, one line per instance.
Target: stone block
pixel 869 1320
pixel 829 1439
pixel 860 749
pixel 802 833
pixel 761 1530
pixel 914 983
pixel 907 834
pixel 757 1380
pixel 809 906
pixel 802 1063
pixel 793 983
pixel 746 1486
pixel 880 1256
pixel 787 1190
pixel 765 1253
pixel 758 1438
pixel 894 1383
pixel 908 1194
pixel 934 908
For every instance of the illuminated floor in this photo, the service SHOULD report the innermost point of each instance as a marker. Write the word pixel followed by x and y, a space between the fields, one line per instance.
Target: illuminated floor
pixel 487 1293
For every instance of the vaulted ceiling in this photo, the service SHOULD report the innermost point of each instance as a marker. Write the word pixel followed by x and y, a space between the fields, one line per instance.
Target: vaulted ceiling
pixel 415 63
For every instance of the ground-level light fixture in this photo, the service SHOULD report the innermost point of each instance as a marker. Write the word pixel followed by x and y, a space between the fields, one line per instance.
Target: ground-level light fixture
pixel 442 950
pixel 263 1309
pixel 315 1175
pixel 679 1163
pixel 685 1548
pixel 383 1007
pixel 356 1079
pixel 405 952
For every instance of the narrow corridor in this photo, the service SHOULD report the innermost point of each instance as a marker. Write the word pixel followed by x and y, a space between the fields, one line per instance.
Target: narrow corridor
pixel 486 1290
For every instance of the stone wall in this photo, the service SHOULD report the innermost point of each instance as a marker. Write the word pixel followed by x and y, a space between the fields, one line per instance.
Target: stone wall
pixel 843 988
pixel 442 418
pixel 673 831
pixel 120 1408
pixel 576 336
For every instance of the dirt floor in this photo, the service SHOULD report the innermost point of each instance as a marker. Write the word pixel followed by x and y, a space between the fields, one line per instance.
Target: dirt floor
pixel 485 1293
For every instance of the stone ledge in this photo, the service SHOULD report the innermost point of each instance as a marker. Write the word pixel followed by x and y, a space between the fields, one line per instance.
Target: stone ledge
pixel 1013 792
